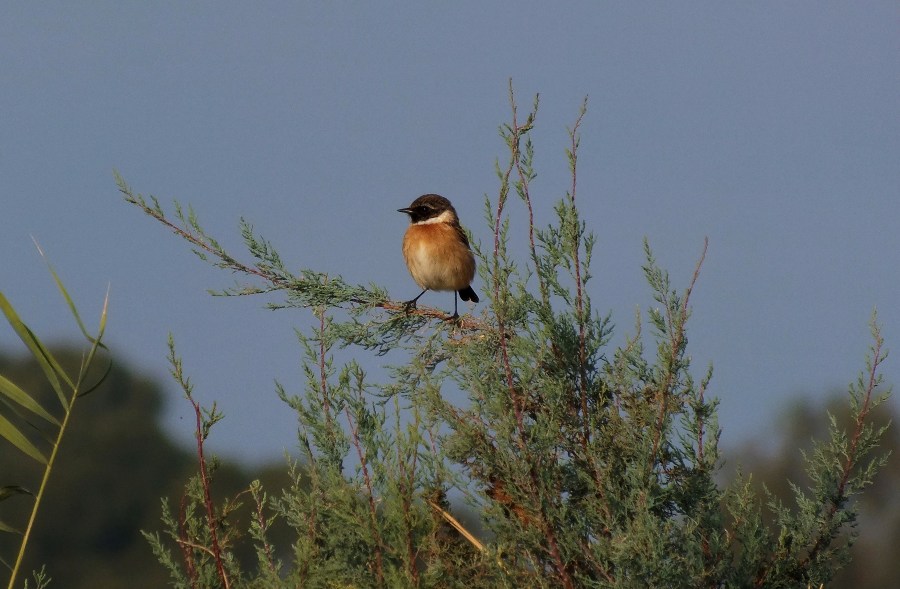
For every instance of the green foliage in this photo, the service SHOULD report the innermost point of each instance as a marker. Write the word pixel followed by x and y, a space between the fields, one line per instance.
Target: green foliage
pixel 116 462
pixel 41 441
pixel 779 469
pixel 590 466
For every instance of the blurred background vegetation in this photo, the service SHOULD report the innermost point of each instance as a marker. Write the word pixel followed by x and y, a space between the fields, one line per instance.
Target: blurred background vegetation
pixel 117 464
pixel 114 467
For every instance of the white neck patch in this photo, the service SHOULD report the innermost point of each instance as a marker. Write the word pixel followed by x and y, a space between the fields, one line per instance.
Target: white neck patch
pixel 445 217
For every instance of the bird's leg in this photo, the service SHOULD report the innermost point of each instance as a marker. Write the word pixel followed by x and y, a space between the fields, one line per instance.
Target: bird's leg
pixel 412 304
pixel 455 313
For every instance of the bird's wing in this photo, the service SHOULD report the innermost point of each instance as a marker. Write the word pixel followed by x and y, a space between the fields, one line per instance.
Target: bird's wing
pixel 462 234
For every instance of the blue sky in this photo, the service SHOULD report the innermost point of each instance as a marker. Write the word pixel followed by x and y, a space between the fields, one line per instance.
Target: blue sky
pixel 771 127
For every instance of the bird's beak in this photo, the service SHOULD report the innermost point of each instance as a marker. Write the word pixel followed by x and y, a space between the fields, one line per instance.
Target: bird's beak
pixel 407 211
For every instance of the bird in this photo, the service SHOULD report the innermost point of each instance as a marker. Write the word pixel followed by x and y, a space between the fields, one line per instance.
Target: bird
pixel 437 251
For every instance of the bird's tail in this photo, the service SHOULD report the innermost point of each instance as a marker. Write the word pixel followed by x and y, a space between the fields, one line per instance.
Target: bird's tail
pixel 467 294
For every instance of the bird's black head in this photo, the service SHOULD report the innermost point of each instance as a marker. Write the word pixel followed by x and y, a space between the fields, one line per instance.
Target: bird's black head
pixel 429 206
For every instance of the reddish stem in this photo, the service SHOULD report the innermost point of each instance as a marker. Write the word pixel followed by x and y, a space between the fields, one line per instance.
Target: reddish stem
pixel 207 497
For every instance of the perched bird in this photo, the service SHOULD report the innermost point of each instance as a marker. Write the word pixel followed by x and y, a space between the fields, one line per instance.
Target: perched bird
pixel 437 250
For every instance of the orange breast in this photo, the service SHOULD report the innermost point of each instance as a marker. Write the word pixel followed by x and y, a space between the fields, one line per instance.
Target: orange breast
pixel 436 257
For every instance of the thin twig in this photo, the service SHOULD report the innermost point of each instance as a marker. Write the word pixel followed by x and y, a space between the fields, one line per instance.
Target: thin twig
pixel 676 341
pixel 458 526
pixel 851 455
pixel 186 552
pixel 579 292
pixel 370 495
pixel 207 497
